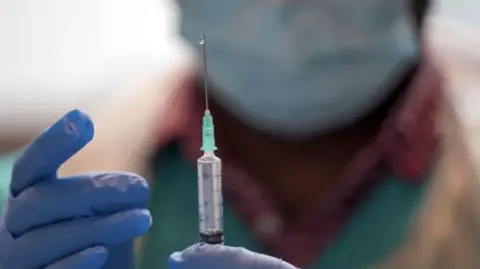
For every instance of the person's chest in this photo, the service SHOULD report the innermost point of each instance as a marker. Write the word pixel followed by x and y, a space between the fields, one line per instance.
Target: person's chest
pixel 376 227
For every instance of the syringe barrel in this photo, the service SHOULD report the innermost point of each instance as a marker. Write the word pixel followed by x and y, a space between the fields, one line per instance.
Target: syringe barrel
pixel 210 200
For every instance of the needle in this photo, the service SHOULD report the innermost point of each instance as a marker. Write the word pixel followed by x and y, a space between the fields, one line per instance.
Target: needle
pixel 205 73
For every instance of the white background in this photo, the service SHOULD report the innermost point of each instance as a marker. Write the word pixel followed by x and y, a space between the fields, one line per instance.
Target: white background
pixel 61 54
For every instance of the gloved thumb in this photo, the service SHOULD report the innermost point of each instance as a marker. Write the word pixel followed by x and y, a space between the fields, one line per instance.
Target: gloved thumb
pixel 201 256
pixel 92 258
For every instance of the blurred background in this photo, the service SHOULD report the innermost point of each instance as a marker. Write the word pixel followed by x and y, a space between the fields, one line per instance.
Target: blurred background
pixel 56 55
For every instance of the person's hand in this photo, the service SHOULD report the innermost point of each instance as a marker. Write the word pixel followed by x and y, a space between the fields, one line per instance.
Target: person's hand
pixel 72 222
pixel 205 256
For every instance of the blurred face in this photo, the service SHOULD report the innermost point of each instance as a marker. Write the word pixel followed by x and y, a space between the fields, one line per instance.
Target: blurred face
pixel 294 68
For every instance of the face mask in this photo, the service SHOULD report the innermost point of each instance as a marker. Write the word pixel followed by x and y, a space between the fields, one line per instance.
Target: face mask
pixel 295 68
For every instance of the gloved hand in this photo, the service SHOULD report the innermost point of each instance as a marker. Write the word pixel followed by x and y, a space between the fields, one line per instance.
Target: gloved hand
pixel 68 223
pixel 205 256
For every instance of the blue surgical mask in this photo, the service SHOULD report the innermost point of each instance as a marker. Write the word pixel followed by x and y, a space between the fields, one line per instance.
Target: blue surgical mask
pixel 295 68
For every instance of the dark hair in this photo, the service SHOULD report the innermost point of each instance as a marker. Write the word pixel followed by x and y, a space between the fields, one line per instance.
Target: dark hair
pixel 420 11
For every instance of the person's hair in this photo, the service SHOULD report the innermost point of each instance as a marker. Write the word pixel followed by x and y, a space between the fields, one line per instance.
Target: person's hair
pixel 420 11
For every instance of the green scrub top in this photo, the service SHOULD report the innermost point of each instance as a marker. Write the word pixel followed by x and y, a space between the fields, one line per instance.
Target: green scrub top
pixel 376 229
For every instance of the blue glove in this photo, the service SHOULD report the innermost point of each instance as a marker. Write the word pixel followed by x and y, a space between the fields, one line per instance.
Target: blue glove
pixel 205 256
pixel 74 222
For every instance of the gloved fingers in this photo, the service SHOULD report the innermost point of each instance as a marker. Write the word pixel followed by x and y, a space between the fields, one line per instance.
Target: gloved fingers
pixel 49 150
pixel 121 256
pixel 74 197
pixel 49 244
pixel 220 256
pixel 91 258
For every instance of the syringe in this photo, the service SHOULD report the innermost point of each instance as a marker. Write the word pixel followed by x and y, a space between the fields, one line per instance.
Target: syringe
pixel 210 201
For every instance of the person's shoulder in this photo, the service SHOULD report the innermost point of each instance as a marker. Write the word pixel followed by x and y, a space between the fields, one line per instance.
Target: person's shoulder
pixel 455 46
pixel 447 229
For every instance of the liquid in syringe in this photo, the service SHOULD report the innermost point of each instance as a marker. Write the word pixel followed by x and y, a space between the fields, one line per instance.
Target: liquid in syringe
pixel 210 199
